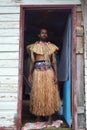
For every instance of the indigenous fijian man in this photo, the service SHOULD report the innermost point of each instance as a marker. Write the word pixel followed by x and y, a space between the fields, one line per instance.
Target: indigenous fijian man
pixel 44 96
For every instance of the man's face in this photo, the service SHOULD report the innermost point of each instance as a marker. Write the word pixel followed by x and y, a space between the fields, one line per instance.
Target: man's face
pixel 43 35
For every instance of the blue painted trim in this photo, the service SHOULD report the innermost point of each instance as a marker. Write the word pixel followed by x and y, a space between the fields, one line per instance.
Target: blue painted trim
pixel 67 84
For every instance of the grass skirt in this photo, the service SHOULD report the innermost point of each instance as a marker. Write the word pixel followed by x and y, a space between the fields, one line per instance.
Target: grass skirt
pixel 44 96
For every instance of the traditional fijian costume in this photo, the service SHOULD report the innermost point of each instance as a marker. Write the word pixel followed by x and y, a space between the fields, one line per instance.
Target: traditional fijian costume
pixel 44 96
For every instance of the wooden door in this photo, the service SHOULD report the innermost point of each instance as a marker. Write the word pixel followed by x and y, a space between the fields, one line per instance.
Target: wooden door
pixel 67 83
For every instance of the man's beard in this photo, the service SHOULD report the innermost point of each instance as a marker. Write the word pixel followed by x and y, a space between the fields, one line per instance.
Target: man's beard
pixel 43 39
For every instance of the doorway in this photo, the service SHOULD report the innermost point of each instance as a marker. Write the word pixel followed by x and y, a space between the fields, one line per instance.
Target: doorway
pixel 58 24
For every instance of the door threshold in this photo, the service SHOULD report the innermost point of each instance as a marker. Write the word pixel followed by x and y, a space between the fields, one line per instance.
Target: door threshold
pixel 57 128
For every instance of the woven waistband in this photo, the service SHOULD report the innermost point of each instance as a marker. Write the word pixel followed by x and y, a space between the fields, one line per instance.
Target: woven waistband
pixel 42 63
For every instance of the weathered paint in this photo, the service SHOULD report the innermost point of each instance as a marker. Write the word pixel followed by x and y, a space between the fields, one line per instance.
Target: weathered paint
pixel 9 71
pixel 73 71
pixel 9 24
pixel 7 117
pixel 80 47
pixel 9 32
pixel 8 106
pixel 9 20
pixel 8 97
pixel 28 2
pixel 9 17
pixel 8 47
pixel 9 40
pixel 80 72
pixel 8 55
pixel 9 63
pixel 7 87
pixel 84 8
pixel 12 10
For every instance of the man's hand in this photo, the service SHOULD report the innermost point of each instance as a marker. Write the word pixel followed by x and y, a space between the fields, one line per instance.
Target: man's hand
pixel 55 79
pixel 30 79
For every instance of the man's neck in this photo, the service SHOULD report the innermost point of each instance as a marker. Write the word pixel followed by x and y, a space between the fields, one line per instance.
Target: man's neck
pixel 42 41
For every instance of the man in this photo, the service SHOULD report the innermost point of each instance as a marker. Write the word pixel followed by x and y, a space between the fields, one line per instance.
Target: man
pixel 44 96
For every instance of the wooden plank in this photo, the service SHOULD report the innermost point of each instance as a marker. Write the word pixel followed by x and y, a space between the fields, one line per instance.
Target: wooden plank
pixel 85 54
pixel 85 71
pixel 8 87
pixel 17 2
pixel 9 112
pixel 9 48
pixel 9 40
pixel 79 8
pixel 80 83
pixel 80 110
pixel 7 122
pixel 9 10
pixel 49 2
pixel 85 63
pixel 86 96
pixel 9 80
pixel 8 97
pixel 9 18
pixel 8 63
pixel 10 25
pixel 8 105
pixel 85 77
pixel 80 43
pixel 86 105
pixel 81 121
pixel 80 31
pixel 7 118
pixel 7 3
pixel 8 71
pixel 80 92
pixel 84 10
pixel 79 18
pixel 9 55
pixel 9 32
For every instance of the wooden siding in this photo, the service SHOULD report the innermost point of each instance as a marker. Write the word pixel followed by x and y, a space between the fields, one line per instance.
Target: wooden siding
pixel 84 8
pixel 9 18
pixel 11 3
pixel 80 68
pixel 7 117
pixel 9 49
pixel 9 57
pixel 10 24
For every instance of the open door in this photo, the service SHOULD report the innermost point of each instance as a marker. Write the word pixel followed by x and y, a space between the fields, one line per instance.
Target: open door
pixel 64 73
pixel 59 34
pixel 67 83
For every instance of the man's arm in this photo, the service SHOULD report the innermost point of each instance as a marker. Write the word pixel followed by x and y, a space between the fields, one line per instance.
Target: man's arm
pixel 55 69
pixel 54 62
pixel 30 70
pixel 55 73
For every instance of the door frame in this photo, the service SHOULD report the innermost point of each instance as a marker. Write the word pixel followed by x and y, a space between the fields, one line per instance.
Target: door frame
pixel 73 58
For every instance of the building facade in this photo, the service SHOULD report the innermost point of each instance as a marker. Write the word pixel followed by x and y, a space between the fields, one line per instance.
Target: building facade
pixel 11 61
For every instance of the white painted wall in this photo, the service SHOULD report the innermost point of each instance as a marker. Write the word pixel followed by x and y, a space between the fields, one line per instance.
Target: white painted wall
pixel 28 2
pixel 9 55
pixel 9 48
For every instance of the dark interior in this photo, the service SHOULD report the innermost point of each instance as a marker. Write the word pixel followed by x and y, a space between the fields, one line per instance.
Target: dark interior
pixel 55 23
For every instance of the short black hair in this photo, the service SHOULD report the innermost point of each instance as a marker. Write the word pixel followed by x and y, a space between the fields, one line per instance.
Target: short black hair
pixel 41 29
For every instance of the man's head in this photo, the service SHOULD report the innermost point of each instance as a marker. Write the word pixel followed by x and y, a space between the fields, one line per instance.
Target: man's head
pixel 43 34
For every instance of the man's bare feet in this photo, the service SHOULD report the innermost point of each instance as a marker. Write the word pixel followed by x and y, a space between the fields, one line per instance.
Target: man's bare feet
pixel 37 119
pixel 49 120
